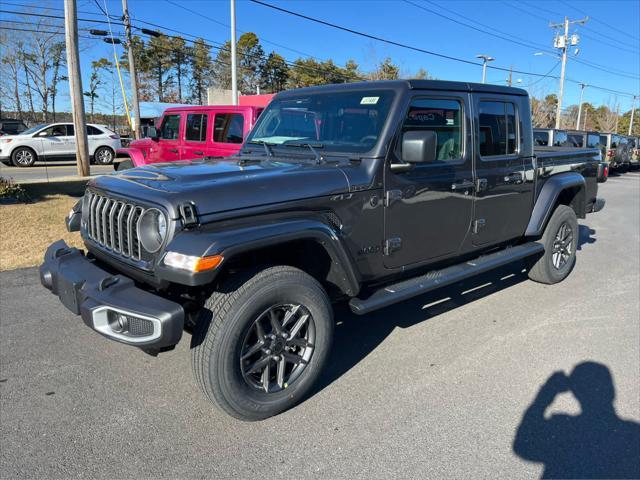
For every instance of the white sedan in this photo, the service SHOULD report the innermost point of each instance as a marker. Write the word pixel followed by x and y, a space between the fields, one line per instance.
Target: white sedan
pixel 57 142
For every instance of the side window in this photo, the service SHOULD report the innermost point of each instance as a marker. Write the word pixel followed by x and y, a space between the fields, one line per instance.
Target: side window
pixel 70 130
pixel 560 138
pixel 603 140
pixel 228 128
pixel 593 141
pixel 444 117
pixel 170 127
pixel 54 131
pixel 575 140
pixel 498 134
pixel 541 139
pixel 93 130
pixel 196 127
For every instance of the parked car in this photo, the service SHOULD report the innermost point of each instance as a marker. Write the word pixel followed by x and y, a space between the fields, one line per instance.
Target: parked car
pixel 583 139
pixel 549 137
pixel 188 133
pixel 57 142
pixel 634 152
pixel 11 126
pixel 375 192
pixel 615 150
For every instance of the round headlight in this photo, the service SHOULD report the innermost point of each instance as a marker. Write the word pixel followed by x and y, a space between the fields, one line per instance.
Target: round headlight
pixel 152 229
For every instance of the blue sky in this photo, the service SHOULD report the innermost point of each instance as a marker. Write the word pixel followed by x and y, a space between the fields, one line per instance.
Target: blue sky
pixel 610 38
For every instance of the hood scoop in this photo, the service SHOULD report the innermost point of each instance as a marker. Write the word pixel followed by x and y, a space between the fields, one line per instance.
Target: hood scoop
pixel 143 174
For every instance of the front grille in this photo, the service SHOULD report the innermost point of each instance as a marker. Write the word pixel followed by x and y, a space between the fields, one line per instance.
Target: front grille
pixel 113 224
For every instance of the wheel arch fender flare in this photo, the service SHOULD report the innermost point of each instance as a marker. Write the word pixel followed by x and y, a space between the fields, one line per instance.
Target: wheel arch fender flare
pixel 548 199
pixel 233 242
pixel 136 156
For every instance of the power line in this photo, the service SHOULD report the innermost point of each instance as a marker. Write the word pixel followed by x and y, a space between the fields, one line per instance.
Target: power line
pixel 591 17
pixel 403 45
pixel 523 42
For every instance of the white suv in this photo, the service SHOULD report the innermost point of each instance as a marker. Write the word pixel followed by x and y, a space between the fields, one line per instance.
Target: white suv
pixel 57 142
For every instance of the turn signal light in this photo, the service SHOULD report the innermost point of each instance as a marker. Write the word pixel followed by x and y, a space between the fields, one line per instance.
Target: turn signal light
pixel 192 263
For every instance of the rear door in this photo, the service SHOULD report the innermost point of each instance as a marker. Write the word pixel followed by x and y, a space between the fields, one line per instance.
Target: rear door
pixel 229 129
pixel 429 207
pixel 168 147
pixel 69 140
pixel 195 135
pixel 503 197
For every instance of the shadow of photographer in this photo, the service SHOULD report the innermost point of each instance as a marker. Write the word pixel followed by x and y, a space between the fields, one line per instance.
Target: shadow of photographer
pixel 594 444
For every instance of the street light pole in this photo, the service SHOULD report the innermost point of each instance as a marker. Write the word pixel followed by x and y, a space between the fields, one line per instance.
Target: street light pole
pixel 582 85
pixel 132 71
pixel 633 107
pixel 485 60
pixel 234 66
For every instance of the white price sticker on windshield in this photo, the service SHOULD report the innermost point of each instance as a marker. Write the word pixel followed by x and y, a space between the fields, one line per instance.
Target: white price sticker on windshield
pixel 369 100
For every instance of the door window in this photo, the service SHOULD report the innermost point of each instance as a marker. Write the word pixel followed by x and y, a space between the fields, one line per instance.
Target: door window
pixel 54 131
pixel 70 130
pixel 575 140
pixel 196 127
pixel 498 135
pixel 593 141
pixel 444 117
pixel 560 138
pixel 228 128
pixel 170 127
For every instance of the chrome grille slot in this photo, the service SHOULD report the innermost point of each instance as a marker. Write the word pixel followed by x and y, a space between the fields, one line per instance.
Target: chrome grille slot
pixel 113 224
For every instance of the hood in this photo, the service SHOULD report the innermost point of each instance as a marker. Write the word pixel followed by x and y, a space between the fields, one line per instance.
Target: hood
pixel 218 185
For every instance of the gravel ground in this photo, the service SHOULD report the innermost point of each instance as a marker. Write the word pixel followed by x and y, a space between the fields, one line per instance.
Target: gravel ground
pixel 432 388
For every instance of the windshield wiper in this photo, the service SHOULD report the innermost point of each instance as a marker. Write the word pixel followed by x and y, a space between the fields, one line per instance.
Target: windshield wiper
pixel 267 146
pixel 312 147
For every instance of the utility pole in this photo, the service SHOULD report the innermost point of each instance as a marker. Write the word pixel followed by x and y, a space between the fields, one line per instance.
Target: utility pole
pixel 633 107
pixel 234 66
pixel 582 85
pixel 510 79
pixel 563 42
pixel 617 118
pixel 75 86
pixel 485 60
pixel 132 71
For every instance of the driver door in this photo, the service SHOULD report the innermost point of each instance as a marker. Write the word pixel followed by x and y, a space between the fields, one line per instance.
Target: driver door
pixel 168 147
pixel 429 206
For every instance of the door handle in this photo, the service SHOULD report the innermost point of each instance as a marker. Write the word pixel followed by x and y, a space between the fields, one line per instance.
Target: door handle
pixel 173 150
pixel 463 185
pixel 198 153
pixel 515 177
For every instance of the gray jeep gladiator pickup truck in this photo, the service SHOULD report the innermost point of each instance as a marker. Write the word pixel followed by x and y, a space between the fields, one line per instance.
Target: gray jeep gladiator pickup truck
pixel 370 192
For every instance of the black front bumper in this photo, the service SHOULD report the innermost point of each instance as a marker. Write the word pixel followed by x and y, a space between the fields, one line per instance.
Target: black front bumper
pixel 100 297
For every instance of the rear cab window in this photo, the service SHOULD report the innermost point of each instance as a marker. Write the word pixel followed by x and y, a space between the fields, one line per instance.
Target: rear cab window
pixel 228 128
pixel 442 116
pixel 498 134
pixel 575 140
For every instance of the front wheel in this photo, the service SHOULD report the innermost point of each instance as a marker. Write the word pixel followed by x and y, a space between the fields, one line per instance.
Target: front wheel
pixel 560 240
pixel 262 341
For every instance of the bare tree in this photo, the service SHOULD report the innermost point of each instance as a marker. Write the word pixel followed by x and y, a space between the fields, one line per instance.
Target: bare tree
pixel 607 116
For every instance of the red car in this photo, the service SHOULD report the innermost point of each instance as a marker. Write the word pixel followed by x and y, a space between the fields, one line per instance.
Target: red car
pixel 188 133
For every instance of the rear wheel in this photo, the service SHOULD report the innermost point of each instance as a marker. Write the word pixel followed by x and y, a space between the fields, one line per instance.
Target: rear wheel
pixel 560 240
pixel 23 157
pixel 262 341
pixel 103 156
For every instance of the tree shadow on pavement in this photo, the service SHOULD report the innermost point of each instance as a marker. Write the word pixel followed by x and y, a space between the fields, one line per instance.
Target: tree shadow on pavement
pixel 356 336
pixel 594 444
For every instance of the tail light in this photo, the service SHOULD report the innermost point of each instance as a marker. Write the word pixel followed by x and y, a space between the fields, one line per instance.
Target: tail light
pixel 115 137
pixel 611 153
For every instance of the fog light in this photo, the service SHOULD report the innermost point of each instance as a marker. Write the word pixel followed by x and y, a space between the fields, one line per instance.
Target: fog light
pixel 118 322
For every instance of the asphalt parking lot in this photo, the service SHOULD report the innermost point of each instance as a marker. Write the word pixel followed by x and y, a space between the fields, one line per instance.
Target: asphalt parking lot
pixel 42 171
pixel 432 388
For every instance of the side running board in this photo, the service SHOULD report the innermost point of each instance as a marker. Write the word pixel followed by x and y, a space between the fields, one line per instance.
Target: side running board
pixel 439 278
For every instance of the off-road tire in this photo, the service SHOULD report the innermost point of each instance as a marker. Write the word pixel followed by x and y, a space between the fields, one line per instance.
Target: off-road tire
pixel 543 270
pixel 224 323
pixel 23 152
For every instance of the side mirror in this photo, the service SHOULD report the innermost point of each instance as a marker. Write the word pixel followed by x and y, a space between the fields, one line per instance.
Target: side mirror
pixel 419 146
pixel 152 133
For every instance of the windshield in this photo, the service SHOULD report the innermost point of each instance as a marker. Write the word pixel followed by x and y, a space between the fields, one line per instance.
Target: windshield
pixel 34 129
pixel 347 122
